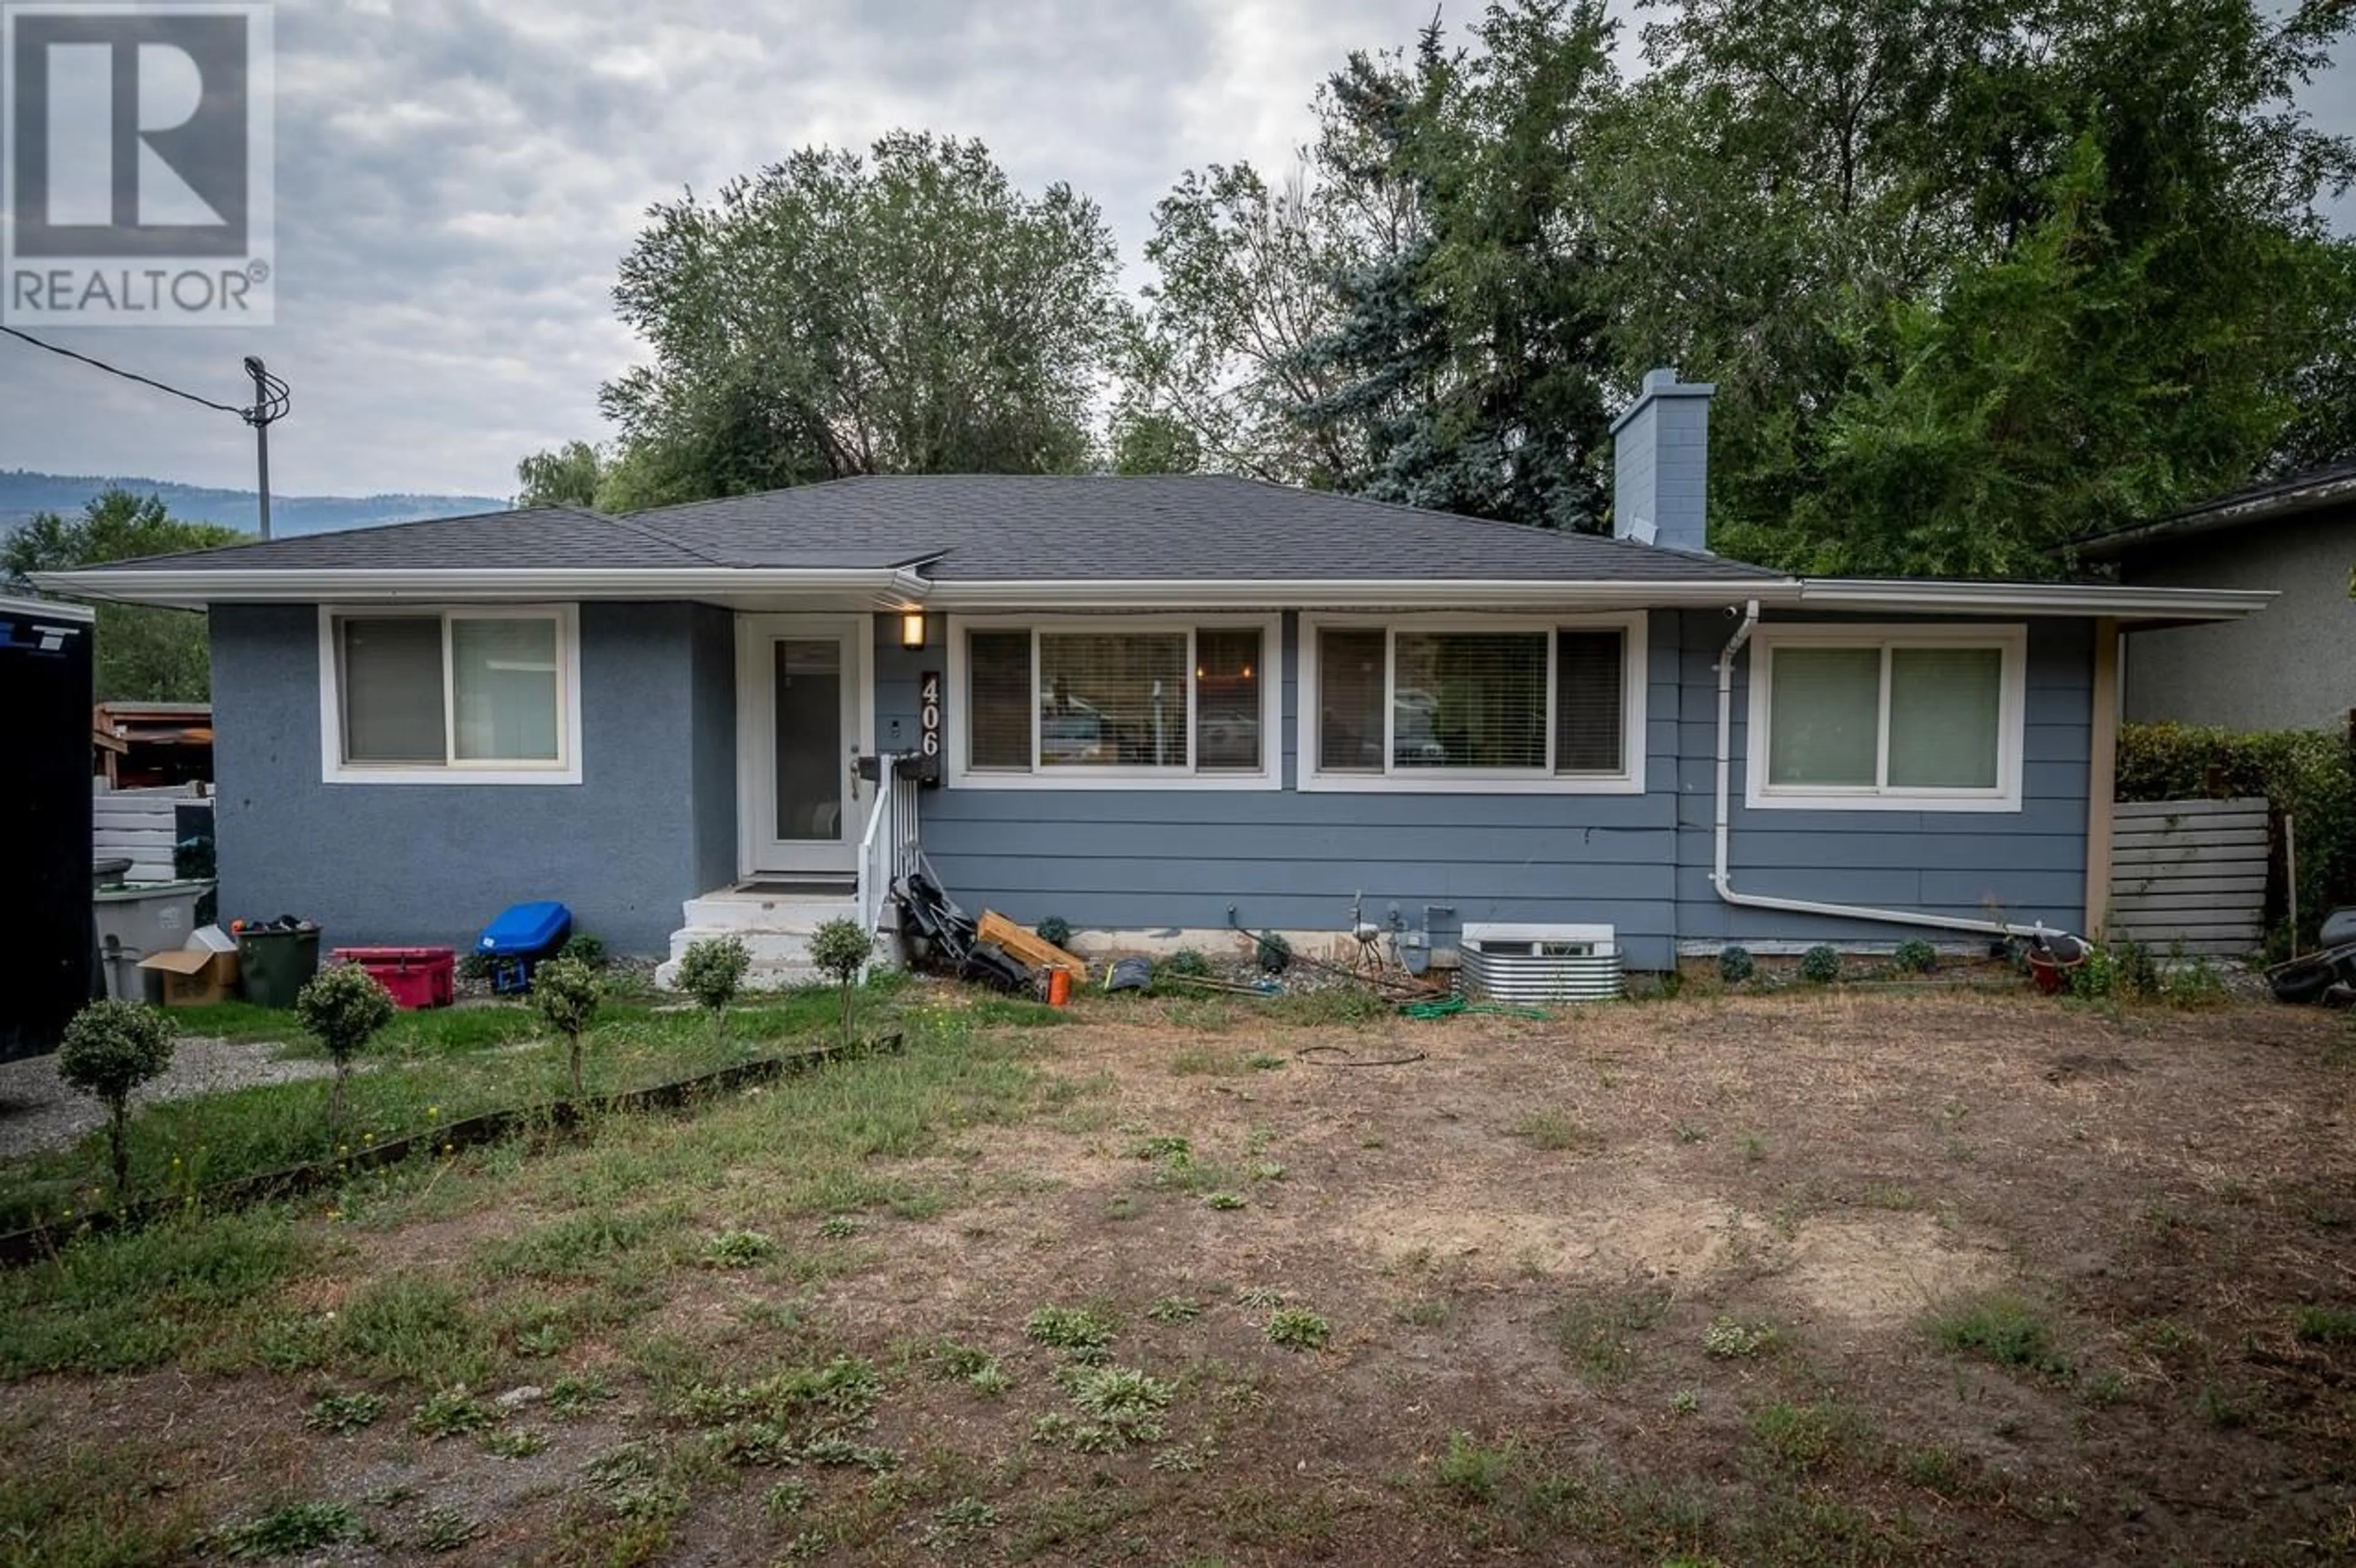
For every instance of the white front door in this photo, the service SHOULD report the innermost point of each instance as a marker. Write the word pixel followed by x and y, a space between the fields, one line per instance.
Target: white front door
pixel 803 714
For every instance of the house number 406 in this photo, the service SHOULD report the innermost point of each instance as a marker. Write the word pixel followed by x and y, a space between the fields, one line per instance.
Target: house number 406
pixel 928 686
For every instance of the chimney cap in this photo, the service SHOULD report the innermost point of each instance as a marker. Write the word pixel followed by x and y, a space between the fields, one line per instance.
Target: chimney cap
pixel 1661 381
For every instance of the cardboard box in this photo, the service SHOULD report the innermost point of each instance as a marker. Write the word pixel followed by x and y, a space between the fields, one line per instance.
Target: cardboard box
pixel 202 972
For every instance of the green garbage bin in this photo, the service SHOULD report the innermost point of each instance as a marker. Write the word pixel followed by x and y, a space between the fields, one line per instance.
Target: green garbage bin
pixel 275 962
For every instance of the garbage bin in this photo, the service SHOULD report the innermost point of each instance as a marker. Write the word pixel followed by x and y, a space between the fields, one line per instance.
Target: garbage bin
pixel 273 962
pixel 136 922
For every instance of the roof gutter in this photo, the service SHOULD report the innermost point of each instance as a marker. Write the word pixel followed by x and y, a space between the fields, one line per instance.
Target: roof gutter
pixel 1345 594
pixel 2282 503
pixel 2126 603
pixel 193 589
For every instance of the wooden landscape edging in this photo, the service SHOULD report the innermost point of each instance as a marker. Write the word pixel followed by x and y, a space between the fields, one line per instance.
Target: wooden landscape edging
pixel 18 1248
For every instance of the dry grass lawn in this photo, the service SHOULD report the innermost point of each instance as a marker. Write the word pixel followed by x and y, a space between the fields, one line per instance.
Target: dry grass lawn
pixel 1931 1277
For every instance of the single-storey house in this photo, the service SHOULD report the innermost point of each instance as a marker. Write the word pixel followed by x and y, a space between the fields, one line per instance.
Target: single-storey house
pixel 2292 668
pixel 1167 710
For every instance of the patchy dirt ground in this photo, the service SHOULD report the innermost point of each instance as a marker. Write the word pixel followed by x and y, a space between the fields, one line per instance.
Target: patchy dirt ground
pixel 1843 1278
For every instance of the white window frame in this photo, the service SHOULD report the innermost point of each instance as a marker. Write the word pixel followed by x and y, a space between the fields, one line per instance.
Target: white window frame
pixel 1634 675
pixel 2011 641
pixel 956 722
pixel 564 769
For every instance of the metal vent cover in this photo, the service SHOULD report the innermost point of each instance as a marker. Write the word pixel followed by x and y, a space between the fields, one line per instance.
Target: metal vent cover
pixel 1521 964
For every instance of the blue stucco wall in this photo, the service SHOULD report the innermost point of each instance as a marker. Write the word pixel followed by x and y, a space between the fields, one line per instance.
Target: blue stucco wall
pixel 2020 866
pixel 378 864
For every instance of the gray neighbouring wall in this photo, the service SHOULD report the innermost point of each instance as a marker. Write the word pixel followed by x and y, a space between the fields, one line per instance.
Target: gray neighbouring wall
pixel 651 824
pixel 1148 860
pixel 2293 667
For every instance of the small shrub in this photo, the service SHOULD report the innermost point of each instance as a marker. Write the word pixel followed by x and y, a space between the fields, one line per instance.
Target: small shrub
pixel 1915 957
pixel 1273 953
pixel 1055 929
pixel 712 970
pixel 2192 983
pixel 1298 1328
pixel 1735 965
pixel 840 949
pixel 583 948
pixel 1820 965
pixel 514 1443
pixel 1223 1200
pixel 1188 962
pixel 110 1049
pixel 1176 1309
pixel 566 993
pixel 342 1008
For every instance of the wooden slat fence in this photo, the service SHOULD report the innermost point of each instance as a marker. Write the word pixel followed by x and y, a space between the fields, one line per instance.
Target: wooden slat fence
pixel 140 826
pixel 2189 874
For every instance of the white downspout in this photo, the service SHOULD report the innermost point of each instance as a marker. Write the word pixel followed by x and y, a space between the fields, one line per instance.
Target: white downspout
pixel 1719 880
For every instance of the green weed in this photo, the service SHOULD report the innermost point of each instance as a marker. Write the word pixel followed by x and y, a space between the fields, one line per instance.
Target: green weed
pixel 1298 1328
pixel 2005 1329
pixel 290 1529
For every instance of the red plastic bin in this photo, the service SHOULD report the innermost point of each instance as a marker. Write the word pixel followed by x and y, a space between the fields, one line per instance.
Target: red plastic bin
pixel 416 976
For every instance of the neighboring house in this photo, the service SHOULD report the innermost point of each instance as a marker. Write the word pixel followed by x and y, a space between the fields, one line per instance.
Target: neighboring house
pixel 1168 708
pixel 2291 668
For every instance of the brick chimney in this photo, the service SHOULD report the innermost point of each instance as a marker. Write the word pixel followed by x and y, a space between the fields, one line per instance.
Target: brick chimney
pixel 1660 464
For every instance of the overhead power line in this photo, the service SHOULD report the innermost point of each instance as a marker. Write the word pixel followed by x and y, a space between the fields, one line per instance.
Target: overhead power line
pixel 126 374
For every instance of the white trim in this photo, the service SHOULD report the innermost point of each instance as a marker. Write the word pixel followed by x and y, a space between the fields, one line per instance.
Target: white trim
pixel 80 615
pixel 756 743
pixel 2011 641
pixel 564 770
pixel 195 588
pixel 1269 775
pixel 1634 679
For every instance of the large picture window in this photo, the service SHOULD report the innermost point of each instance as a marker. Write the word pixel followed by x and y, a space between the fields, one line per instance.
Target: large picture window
pixel 1415 703
pixel 480 696
pixel 1919 718
pixel 1084 703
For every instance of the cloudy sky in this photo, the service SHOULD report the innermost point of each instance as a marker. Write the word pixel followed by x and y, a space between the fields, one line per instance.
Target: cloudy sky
pixel 456 183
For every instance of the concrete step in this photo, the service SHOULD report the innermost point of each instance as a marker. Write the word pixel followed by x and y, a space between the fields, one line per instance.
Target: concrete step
pixel 759 977
pixel 780 958
pixel 747 912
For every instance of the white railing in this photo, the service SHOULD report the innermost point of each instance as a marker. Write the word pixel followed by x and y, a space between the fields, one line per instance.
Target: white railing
pixel 887 850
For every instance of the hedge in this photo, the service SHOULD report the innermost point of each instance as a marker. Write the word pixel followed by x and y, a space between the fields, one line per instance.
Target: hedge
pixel 2308 775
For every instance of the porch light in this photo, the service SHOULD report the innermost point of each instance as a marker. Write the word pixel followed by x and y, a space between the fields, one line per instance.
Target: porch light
pixel 912 630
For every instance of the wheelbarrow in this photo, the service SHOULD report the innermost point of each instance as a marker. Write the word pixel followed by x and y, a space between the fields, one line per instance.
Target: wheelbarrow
pixel 2328 975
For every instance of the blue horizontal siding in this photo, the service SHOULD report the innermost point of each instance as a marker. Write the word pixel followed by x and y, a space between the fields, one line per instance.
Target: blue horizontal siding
pixel 2021 866
pixel 1155 859
pixel 1149 859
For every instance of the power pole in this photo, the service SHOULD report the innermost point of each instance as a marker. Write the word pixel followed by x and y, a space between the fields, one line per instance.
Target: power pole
pixel 271 402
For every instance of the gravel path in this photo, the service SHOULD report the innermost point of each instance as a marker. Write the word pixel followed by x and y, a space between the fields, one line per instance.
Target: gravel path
pixel 38 1111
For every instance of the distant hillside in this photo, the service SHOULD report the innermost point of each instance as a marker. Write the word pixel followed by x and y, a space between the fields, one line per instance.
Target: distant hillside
pixel 24 492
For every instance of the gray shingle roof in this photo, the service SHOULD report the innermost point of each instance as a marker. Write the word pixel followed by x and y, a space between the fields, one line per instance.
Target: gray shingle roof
pixel 1011 528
